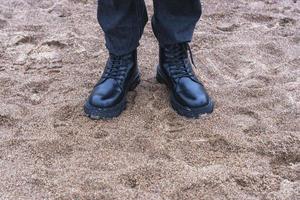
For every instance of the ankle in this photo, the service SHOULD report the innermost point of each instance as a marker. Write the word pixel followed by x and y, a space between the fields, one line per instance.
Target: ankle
pixel 131 53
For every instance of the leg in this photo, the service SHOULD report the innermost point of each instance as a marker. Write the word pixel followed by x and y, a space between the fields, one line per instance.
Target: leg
pixel 174 20
pixel 173 24
pixel 123 22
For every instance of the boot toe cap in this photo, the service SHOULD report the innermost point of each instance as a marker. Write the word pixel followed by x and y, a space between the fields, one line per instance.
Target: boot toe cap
pixel 101 101
pixel 105 95
pixel 195 101
pixel 192 94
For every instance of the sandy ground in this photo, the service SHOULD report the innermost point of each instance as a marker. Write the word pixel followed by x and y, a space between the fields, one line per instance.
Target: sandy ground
pixel 52 53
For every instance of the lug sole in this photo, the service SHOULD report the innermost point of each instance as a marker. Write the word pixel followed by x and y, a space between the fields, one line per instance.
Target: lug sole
pixel 97 113
pixel 184 110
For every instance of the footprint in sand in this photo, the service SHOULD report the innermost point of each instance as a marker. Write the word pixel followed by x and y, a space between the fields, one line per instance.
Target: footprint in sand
pixel 173 125
pixel 11 115
pixel 286 158
pixel 271 49
pixel 6 82
pixel 22 45
pixel 49 53
pixel 65 113
pixel 44 4
pixel 260 182
pixel 221 144
pixel 257 18
pixel 94 185
pixel 142 177
pixel 33 28
pixel 248 121
pixel 7 121
pixel 37 87
pixel 24 39
pixel 287 22
pixel 285 165
pixel 50 150
pixel 55 44
pixel 100 134
pixel 34 91
pixel 140 144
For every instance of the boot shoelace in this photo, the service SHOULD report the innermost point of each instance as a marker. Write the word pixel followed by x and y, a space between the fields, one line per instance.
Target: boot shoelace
pixel 175 57
pixel 117 69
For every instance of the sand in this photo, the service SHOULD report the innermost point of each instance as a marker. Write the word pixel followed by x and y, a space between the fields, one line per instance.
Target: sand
pixel 248 55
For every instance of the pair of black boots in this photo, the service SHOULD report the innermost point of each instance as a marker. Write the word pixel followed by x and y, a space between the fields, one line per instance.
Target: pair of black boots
pixel 188 96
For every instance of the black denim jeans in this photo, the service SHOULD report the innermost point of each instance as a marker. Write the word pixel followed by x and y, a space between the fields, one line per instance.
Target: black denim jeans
pixel 123 22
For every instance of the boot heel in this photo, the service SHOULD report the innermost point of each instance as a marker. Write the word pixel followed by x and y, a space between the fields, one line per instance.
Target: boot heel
pixel 135 83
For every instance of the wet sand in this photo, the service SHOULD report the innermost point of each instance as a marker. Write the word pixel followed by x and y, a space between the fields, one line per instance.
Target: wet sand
pixel 248 56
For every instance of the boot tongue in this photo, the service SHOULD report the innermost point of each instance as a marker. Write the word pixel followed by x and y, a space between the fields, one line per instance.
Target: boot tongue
pixel 175 53
pixel 181 50
pixel 117 67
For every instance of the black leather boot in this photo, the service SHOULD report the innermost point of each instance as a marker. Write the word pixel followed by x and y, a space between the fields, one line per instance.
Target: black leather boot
pixel 188 96
pixel 108 98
